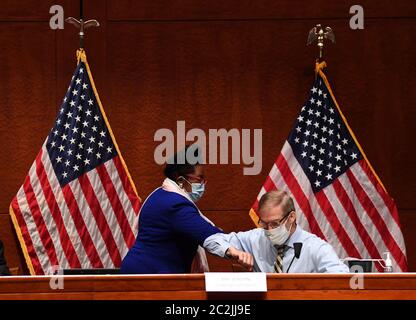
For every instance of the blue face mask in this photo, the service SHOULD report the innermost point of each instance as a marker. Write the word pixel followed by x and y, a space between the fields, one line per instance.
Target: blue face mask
pixel 197 192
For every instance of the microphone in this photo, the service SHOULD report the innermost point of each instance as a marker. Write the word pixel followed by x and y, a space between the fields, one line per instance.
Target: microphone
pixel 298 248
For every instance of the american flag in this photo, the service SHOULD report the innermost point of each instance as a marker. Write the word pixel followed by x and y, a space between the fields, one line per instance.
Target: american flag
pixel 78 204
pixel 337 194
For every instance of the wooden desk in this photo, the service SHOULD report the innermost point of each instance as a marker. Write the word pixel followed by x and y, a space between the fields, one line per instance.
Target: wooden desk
pixel 192 286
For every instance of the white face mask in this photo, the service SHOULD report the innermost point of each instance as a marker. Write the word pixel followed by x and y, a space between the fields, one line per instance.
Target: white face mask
pixel 279 235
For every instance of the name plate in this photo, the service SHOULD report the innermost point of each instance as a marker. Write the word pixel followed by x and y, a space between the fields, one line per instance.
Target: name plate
pixel 235 282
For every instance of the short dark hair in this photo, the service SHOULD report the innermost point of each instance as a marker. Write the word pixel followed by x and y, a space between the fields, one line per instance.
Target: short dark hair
pixel 175 168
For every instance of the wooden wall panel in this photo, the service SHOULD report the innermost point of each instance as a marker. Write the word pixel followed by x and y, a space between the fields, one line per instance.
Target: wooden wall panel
pixel 27 95
pixel 27 10
pixel 216 64
pixel 206 80
pixel 245 9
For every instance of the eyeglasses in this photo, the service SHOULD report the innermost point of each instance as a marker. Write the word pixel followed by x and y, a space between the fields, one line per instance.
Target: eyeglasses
pixel 274 224
pixel 199 179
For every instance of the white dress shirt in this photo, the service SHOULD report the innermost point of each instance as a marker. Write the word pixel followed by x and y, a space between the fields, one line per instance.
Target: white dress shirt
pixel 316 254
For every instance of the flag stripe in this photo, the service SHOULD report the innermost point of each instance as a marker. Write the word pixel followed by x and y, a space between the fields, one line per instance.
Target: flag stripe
pixel 380 205
pixel 124 199
pixel 350 210
pixel 364 218
pixel 376 218
pixel 99 216
pixel 270 183
pixel 56 213
pixel 49 224
pixel 126 184
pixel 305 186
pixel 394 237
pixel 333 220
pixel 116 204
pixel 346 221
pixel 380 190
pixel 107 210
pixel 300 197
pixel 45 238
pixel 79 240
pixel 33 232
pixel 91 224
pixel 84 234
pixel 27 237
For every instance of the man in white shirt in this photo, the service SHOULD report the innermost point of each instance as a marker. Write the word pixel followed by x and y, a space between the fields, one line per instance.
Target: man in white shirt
pixel 279 245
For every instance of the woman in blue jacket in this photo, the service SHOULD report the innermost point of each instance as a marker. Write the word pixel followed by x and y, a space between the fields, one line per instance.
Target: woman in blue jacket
pixel 170 225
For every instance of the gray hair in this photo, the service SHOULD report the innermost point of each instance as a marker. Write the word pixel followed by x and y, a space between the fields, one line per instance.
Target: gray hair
pixel 277 198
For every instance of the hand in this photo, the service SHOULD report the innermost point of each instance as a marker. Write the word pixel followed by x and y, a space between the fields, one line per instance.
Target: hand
pixel 243 258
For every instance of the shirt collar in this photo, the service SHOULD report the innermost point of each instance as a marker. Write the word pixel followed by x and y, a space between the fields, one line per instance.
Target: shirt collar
pixel 172 186
pixel 295 237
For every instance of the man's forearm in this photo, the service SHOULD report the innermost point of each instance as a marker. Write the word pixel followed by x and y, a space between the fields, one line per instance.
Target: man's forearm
pixel 217 244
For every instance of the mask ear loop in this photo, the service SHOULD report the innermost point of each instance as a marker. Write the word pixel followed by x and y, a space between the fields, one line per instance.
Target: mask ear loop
pixel 180 184
pixel 293 223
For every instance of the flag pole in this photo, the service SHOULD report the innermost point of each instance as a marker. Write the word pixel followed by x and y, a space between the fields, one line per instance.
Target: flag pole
pixel 81 9
pixel 81 24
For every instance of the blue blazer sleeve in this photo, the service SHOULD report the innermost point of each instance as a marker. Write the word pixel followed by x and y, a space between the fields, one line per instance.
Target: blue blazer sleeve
pixel 188 222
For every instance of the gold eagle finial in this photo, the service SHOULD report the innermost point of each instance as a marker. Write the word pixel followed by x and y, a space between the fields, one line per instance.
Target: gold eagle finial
pixel 82 25
pixel 318 33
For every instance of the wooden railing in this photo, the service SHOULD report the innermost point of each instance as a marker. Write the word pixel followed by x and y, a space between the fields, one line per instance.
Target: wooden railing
pixel 192 286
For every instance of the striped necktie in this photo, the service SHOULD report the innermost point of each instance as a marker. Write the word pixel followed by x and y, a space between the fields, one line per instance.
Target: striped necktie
pixel 278 265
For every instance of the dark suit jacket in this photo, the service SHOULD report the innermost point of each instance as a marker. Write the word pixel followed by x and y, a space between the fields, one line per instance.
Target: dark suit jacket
pixel 4 270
